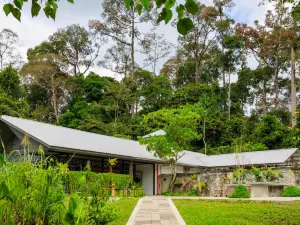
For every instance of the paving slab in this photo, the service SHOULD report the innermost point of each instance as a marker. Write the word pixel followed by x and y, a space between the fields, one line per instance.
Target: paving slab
pixel 155 210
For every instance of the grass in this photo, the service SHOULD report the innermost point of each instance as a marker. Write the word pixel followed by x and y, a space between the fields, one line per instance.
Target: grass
pixel 197 212
pixel 124 208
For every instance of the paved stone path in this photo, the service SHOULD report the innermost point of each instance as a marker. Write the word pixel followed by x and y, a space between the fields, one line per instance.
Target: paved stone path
pixel 156 210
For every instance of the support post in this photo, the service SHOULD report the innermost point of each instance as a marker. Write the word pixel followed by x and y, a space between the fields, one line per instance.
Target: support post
pixel 130 168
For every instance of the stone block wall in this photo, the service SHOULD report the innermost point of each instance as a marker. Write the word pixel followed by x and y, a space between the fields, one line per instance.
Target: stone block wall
pixel 218 181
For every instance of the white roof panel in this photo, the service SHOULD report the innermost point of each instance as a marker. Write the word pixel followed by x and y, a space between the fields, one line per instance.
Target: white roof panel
pixel 250 158
pixel 61 137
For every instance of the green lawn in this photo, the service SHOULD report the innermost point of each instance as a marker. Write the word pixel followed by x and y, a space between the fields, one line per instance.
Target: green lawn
pixel 124 208
pixel 197 212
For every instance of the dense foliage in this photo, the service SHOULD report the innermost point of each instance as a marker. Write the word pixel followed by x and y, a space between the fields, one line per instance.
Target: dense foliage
pixel 255 111
pixel 79 181
pixel 44 193
pixel 291 191
pixel 240 192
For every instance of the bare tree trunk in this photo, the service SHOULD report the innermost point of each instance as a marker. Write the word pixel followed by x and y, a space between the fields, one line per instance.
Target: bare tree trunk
pixel 1 63
pixel 204 134
pixel 196 71
pixel 229 93
pixel 173 177
pixel 276 71
pixel 293 86
pixel 132 57
pixel 132 46
pixel 54 101
pixel 264 99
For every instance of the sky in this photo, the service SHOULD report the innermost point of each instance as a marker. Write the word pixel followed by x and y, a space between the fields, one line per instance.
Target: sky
pixel 33 31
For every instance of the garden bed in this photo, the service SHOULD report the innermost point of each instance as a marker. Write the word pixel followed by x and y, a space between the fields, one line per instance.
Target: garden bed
pixel 197 212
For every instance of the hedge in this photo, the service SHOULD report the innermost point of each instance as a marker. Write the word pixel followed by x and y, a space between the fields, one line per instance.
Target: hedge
pixel 291 191
pixel 240 192
pixel 82 181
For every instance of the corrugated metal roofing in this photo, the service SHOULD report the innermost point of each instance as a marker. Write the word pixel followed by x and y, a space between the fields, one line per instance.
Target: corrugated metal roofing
pixel 61 137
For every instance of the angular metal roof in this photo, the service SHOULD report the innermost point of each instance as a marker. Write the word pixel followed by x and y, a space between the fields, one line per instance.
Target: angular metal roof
pixel 61 137
pixel 250 158
pixel 65 138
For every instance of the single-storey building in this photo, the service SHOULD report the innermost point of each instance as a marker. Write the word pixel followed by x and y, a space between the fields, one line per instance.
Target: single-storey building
pixel 79 148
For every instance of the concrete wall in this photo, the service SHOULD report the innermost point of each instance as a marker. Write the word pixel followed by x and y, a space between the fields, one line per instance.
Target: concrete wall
pixel 166 169
pixel 217 181
pixel 147 177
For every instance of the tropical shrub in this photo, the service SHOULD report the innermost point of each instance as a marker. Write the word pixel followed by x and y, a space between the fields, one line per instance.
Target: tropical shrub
pixel 272 175
pixel 36 194
pixel 291 191
pixel 239 175
pixel 192 192
pixel 269 174
pixel 240 192
pixel 83 181
pixel 257 174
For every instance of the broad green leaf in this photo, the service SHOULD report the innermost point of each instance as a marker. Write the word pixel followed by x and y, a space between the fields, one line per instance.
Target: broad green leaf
pixel 16 13
pixel 146 4
pixel 296 13
pixel 180 11
pixel 139 8
pixel 18 3
pixel 35 9
pixel 159 3
pixel 162 16
pixel 184 26
pixel 128 3
pixel 71 1
pixel 50 9
pixel 72 205
pixel 169 3
pixel 192 7
pixel 169 16
pixel 7 9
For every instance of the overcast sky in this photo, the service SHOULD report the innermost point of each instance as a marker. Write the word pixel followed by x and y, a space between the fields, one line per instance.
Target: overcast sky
pixel 32 31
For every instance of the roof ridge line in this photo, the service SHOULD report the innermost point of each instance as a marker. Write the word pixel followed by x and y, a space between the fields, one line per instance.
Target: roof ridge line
pixel 68 128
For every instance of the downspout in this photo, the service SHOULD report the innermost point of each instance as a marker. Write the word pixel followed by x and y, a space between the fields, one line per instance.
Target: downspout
pixel 156 179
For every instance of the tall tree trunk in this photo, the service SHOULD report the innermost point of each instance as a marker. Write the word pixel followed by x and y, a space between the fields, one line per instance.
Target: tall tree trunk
pixel 54 103
pixel 293 86
pixel 1 63
pixel 204 135
pixel 264 99
pixel 132 57
pixel 196 70
pixel 276 71
pixel 229 93
pixel 173 177
pixel 132 46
